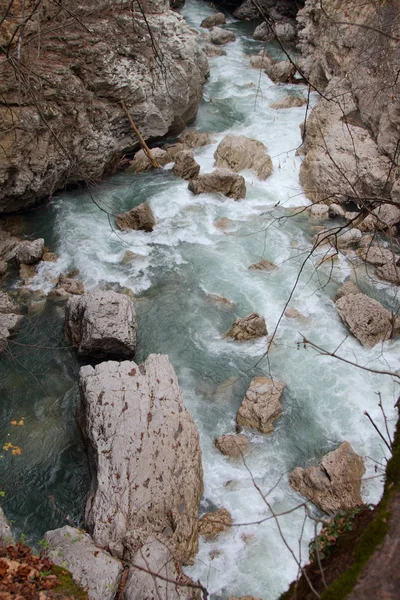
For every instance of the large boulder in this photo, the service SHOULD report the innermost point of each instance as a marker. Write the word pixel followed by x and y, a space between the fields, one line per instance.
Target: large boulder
pixel 285 32
pixel 261 405
pixel 214 523
pixel 102 324
pixel 219 36
pixel 281 72
pixel 185 165
pixel 238 152
pixel 367 319
pixel 210 50
pixel 30 252
pixel 145 458
pixel 261 61
pixel 141 163
pixel 335 483
pixel 139 217
pixel 224 181
pixel 248 328
pixel 92 567
pixel 232 445
pixel 6 536
pixel 193 138
pixel 213 20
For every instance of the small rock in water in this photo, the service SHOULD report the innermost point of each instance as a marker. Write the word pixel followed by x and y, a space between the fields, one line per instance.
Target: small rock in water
pixel 128 257
pixel 30 252
pixel 292 313
pixel 217 19
pixel 26 272
pixel 219 36
pixel 262 265
pixel 237 152
pixel 70 285
pixel 220 301
pixel 248 328
pixel 194 139
pixel 289 102
pixel 224 224
pixel 140 217
pixel 261 405
pixel 185 165
pixel 50 257
pixel 224 181
pixel 214 523
pixel 210 50
pixel 233 445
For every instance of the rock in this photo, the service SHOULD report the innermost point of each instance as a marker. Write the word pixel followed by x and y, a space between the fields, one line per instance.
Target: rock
pixel 262 61
pixel 216 19
pixel 128 257
pixel 214 523
pixel 291 101
pixel 28 252
pixel 145 458
pixel 281 72
pixel 210 50
pixel 339 239
pixel 378 256
pixel 329 257
pixel 389 272
pixel 9 319
pixel 102 324
pixel 174 149
pixel 262 265
pixel 194 139
pixel 292 313
pixel 219 36
pixel 243 598
pixel 335 210
pixel 224 181
pixel 335 483
pixel 8 245
pixel 6 536
pixel 59 295
pixel 319 212
pixel 50 257
pixel 142 164
pixel 220 301
pixel 367 319
pixel 3 267
pixel 248 328
pixel 347 288
pixel 141 217
pixel 70 285
pixel 261 405
pixel 26 272
pixel 186 166
pixel 238 152
pixel 224 224
pixel 382 218
pixel 286 32
pixel 91 567
pixel 232 445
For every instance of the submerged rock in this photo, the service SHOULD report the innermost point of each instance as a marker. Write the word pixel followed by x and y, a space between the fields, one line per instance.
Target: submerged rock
pixel 102 324
pixel 285 32
pixel 186 166
pixel 216 19
pixel 291 101
pixel 335 483
pixel 71 285
pixel 139 217
pixel 232 445
pixel 224 181
pixel 210 50
pixel 145 458
pixel 262 265
pixel 141 162
pixel 262 61
pixel 248 328
pixel 193 138
pixel 261 405
pixel 281 72
pixel 29 252
pixel 214 523
pixel 238 152
pixel 219 36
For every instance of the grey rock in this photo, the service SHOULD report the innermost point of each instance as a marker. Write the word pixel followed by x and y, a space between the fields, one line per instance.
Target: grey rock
pixel 219 36
pixel 213 523
pixel 224 181
pixel 6 535
pixel 216 19
pixel 30 252
pixel 262 61
pixel 280 72
pixel 238 152
pixel 261 405
pixel 211 50
pixel 185 165
pixel 102 324
pixel 193 138
pixel 139 217
pixel 9 319
pixel 71 285
pixel 285 32
pixel 248 328
pixel 347 288
pixel 141 162
pixel 291 101
pixel 262 265
pixel 232 445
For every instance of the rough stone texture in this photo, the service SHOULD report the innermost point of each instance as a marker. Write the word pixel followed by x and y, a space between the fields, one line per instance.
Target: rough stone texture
pixel 238 152
pixel 185 165
pixel 347 288
pixel 286 32
pixel 145 458
pixel 50 257
pixel 335 210
pixel 210 50
pixel 289 102
pixel 9 319
pixel 30 252
pixel 281 72
pixel 248 328
pixel 339 238
pixel 91 567
pixel 93 55
pixel 262 61
pixel 262 265
pixel 214 523
pixel 8 245
pixel 224 181
pixel 367 319
pixel 194 139
pixel 142 164
pixel 156 557
pixel 102 324
pixel 319 212
pixel 139 217
pixel 376 255
pixel 26 272
pixel 281 10
pixel 261 405
pixel 213 20
pixel 335 483
pixel 219 36
pixel 232 445
pixel 293 313
pixel 6 536
pixel 382 218
pixel 71 285
pixel 388 272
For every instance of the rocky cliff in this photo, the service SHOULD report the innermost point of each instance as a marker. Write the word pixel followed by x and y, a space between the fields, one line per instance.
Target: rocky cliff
pixel 65 68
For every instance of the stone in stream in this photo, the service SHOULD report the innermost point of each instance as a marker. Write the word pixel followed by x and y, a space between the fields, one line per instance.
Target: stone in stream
pixel 145 459
pixel 247 328
pixel 243 598
pixel 29 252
pixel 262 265
pixel 335 483
pixel 219 36
pixel 139 217
pixel 291 101
pixel 216 19
pixel 224 181
pixel 194 139
pixel 261 405
pixel 261 61
pixel 210 50
pixel 281 72
pixel 9 319
pixel 102 324
pixel 185 165
pixel 233 445
pixel 238 152
pixel 214 523
pixel 286 32
pixel 141 162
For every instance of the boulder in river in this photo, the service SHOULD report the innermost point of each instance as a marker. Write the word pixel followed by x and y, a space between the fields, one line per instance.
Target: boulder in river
pixel 210 50
pixel 261 405
pixel 213 20
pixel 71 285
pixel 29 252
pixel 141 162
pixel 102 324
pixel 238 152
pixel 185 165
pixel 281 72
pixel 247 328
pixel 335 483
pixel 262 265
pixel 214 523
pixel 219 36
pixel 145 458
pixel 233 445
pixel 284 31
pixel 9 319
pixel 262 61
pixel 224 181
pixel 139 217
pixel 291 101
pixel 193 138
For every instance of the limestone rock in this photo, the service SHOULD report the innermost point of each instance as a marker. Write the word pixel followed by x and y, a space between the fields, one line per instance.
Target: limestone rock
pixel 292 313
pixel 6 536
pixel 224 181
pixel 319 212
pixel 91 567
pixel 3 267
pixel 291 101
pixel 339 239
pixel 261 405
pixel 335 210
pixel 347 288
pixel 50 257
pixel 193 138
pixel 26 272
pixel 232 445
pixel 382 218
pixel 186 166
pixel 8 245
pixel 262 265
pixel 224 224
pixel 174 149
pixel 128 257
pixel 367 319
pixel 213 20
pixel 248 328
pixel 141 162
pixel 335 483
pixel 71 285
pixel 388 272
pixel 238 152
pixel 214 523
pixel 219 36
pixel 262 61
pixel 145 458
pixel 102 324
pixel 281 72
pixel 376 255
pixel 210 50
pixel 139 217
pixel 30 252
pixel 286 32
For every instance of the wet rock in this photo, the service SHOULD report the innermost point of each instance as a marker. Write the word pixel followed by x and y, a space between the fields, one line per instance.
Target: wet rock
pixel 9 319
pixel 29 252
pixel 50 257
pixel 335 210
pixel 194 139
pixel 232 445
pixel 224 181
pixel 220 301
pixel 261 405
pixel 219 36
pixel 8 245
pixel 26 272
pixel 214 523
pixel 238 152
pixel 382 218
pixel 71 285
pixel 91 567
pixel 262 61
pixel 388 272
pixel 339 239
pixel 248 328
pixel 128 257
pixel 378 256
pixel 262 265
pixel 102 324
pixel 281 72
pixel 210 50
pixel 6 536
pixel 292 313
pixel 286 32
pixel 145 458
pixel 367 319
pixel 291 101
pixel 141 217
pixel 59 295
pixel 224 224
pixel 335 483
pixel 142 164
pixel 319 212
pixel 243 598
pixel 185 165
pixel 174 149
pixel 213 20
pixel 347 288
pixel 3 267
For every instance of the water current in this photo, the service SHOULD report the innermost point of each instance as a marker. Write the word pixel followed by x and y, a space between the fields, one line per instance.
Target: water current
pixel 177 267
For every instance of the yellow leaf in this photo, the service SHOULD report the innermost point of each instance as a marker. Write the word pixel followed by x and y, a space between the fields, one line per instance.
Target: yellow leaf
pixel 16 451
pixel 18 423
